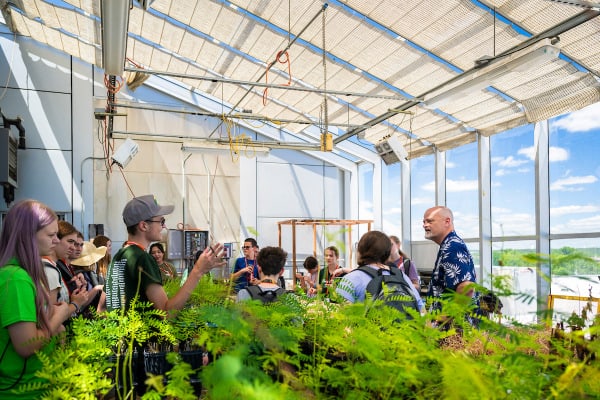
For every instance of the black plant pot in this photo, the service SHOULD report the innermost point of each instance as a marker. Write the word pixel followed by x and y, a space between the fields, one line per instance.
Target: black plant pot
pixel 123 376
pixel 157 364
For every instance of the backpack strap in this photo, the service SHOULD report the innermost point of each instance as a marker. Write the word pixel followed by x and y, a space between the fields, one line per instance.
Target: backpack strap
pixel 406 264
pixel 375 284
pixel 254 291
pixel 257 293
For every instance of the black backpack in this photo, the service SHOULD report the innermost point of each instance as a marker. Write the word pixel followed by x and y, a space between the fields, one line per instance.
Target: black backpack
pixel 266 296
pixel 397 293
pixel 406 265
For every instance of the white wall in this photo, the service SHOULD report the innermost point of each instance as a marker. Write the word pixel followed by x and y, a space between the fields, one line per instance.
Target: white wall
pixel 63 165
pixel 38 87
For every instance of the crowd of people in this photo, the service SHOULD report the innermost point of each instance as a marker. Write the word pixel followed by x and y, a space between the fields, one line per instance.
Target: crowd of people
pixel 49 274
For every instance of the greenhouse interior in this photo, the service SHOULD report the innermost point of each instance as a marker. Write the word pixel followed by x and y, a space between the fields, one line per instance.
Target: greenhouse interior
pixel 253 131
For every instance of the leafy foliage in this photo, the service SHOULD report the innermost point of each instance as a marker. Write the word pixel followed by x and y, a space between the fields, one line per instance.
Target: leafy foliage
pixel 311 348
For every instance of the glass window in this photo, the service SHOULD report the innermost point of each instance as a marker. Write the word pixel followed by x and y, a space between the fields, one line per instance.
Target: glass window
pixel 422 192
pixel 391 198
pixel 575 273
pixel 513 182
pixel 365 191
pixel 575 171
pixel 518 277
pixel 462 183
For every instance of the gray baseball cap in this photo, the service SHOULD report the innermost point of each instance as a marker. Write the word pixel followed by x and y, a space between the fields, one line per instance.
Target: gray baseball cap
pixel 143 208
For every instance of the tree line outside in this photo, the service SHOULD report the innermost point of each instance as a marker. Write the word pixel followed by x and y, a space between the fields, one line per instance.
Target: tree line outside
pixel 563 261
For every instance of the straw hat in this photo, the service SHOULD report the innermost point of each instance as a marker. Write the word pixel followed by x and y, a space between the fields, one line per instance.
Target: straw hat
pixel 90 255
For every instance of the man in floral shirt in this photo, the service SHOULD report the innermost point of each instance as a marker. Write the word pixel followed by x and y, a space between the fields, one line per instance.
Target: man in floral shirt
pixel 454 270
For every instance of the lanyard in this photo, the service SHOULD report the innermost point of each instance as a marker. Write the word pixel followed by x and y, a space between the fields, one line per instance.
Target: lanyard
pixel 130 243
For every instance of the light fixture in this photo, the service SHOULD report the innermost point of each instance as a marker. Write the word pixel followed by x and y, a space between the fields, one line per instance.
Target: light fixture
pixel 115 21
pixel 478 79
pixel 247 150
pixel 391 150
pixel 125 153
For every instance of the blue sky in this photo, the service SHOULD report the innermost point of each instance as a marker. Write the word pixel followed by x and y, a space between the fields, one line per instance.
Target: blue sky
pixel 574 179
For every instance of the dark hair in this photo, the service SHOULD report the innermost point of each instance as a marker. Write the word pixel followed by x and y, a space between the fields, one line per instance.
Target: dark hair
pixel 310 263
pixel 271 260
pixel 252 242
pixel 18 239
pixel 373 248
pixel 103 264
pixel 396 240
pixel 101 240
pixel 158 245
pixel 65 229
pixel 335 251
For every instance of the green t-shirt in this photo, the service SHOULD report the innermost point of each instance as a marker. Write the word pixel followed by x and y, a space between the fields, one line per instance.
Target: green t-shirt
pixel 17 304
pixel 131 267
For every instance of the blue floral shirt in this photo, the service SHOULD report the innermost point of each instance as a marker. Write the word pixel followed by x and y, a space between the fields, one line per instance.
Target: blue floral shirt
pixel 453 265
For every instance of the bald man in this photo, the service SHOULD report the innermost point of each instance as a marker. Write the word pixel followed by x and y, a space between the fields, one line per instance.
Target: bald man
pixel 454 270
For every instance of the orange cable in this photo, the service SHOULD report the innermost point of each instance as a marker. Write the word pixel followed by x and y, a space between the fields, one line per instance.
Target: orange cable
pixel 278 59
pixel 127 183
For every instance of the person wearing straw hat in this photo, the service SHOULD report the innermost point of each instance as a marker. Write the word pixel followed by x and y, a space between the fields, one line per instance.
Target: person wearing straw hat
pixel 90 255
pixel 86 264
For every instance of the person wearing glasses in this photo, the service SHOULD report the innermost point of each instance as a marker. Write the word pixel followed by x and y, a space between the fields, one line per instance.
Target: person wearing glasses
pixel 133 272
pixel 245 271
pixel 134 278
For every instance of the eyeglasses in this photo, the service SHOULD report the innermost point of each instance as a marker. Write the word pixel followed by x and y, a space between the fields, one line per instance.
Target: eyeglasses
pixel 162 221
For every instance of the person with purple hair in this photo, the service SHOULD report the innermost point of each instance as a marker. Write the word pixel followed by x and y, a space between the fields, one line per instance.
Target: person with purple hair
pixel 29 319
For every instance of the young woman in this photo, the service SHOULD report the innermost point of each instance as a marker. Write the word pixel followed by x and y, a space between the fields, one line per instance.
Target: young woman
pixel 103 264
pixel 29 319
pixel 167 270
pixel 332 267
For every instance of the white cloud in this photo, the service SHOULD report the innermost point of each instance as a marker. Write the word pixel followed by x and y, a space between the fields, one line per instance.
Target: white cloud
pixel 554 154
pixel 422 200
pixel 583 120
pixel 453 186
pixel 558 154
pixel 511 223
pixel 587 224
pixel 528 152
pixel 429 187
pixel 566 210
pixel 510 162
pixel 461 186
pixel 500 172
pixel 567 184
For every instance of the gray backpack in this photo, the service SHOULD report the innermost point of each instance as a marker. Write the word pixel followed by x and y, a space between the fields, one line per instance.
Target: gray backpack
pixel 266 296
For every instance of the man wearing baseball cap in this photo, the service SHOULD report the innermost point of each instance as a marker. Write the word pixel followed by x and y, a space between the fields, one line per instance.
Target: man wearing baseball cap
pixel 134 272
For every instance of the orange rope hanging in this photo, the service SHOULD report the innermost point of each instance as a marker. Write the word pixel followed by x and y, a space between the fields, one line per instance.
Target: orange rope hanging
pixel 289 65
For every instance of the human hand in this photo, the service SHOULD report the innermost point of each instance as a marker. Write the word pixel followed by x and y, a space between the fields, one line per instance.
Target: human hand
pixel 61 312
pixel 81 297
pixel 81 281
pixel 211 257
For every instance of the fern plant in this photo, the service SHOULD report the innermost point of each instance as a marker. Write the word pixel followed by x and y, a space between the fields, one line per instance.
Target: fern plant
pixel 312 348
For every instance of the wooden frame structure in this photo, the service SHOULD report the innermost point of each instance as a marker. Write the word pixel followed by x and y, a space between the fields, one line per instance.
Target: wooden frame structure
pixel 314 223
pixel 553 297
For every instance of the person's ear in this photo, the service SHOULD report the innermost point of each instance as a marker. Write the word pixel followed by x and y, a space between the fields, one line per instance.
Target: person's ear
pixel 142 226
